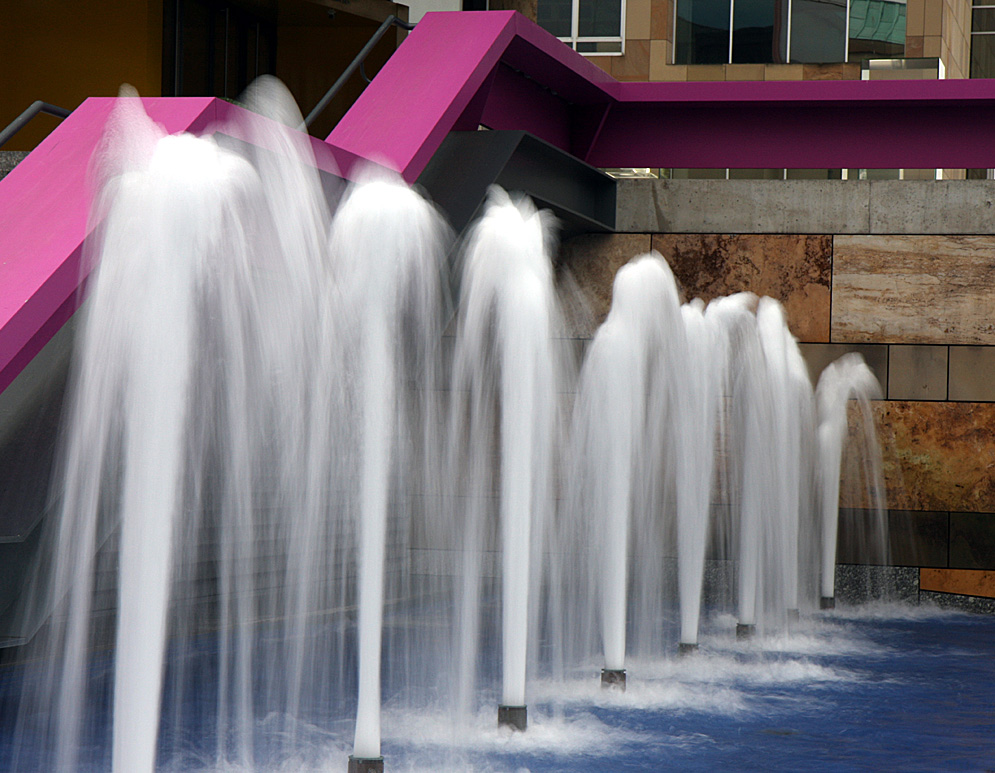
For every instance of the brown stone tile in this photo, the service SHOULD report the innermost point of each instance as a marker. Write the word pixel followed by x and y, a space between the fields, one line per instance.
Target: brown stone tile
pixel 661 18
pixel 818 356
pixel 637 20
pixel 635 64
pixel 706 72
pixel 917 372
pixel 938 456
pixel 784 72
pixel 913 289
pixel 851 71
pixel 966 582
pixel 794 269
pixel 914 46
pixel 972 373
pixel 822 72
pixel 588 266
pixel 744 72
pixel 972 541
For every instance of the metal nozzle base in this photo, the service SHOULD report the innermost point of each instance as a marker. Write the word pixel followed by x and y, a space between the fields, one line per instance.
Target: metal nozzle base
pixel 613 678
pixel 515 717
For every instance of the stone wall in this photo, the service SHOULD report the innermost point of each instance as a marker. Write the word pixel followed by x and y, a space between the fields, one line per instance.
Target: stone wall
pixel 902 272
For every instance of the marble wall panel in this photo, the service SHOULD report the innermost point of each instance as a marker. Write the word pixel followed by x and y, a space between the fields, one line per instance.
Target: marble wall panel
pixel 967 582
pixel 795 269
pixel 938 456
pixel 913 289
pixel 587 268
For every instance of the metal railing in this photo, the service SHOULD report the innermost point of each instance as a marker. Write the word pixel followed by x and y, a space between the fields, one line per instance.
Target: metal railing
pixel 357 63
pixel 36 107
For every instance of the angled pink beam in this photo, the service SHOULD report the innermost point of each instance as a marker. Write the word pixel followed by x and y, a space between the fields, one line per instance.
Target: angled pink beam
pixel 45 209
pixel 418 96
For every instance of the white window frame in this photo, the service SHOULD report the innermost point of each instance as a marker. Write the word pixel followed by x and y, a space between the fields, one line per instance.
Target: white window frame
pixel 574 38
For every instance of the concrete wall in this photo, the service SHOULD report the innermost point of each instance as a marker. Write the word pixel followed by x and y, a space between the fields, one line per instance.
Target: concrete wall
pixel 901 272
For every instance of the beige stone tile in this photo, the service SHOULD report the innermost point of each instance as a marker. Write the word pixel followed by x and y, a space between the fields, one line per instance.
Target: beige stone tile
pixel 635 65
pixel 914 14
pixel 914 46
pixel 744 72
pixel 966 582
pixel 661 20
pixel 932 18
pixel 604 62
pixel 913 289
pixel 660 67
pixel 917 372
pixel 784 72
pixel 791 268
pixel 972 373
pixel 931 46
pixel 589 264
pixel 706 72
pixel 637 19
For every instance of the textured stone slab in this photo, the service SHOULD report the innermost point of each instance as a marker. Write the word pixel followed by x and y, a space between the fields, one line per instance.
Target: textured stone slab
pixel 913 289
pixel 938 456
pixel 794 269
pixel 588 267
pixel 972 541
pixel 743 206
pixel 966 582
pixel 932 207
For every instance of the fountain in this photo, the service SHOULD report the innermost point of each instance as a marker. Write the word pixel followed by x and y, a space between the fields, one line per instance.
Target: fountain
pixel 328 505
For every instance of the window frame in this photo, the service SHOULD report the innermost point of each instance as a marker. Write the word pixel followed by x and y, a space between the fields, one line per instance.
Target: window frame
pixel 574 38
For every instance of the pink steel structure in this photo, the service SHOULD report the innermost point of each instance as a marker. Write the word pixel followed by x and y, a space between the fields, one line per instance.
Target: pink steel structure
pixel 457 71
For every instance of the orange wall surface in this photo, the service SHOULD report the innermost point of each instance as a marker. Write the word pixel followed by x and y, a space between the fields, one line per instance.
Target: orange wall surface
pixel 62 52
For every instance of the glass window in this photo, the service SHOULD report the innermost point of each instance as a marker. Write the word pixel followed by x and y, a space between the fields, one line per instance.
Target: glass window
pixel 556 16
pixel 588 26
pixel 753 32
pixel 983 39
pixel 702 34
pixel 818 31
pixel 877 29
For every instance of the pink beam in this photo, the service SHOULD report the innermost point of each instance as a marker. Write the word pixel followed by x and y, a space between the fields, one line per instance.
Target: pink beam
pixel 45 210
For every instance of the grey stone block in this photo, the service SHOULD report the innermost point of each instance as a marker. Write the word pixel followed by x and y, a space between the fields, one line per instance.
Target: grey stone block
pixel 818 356
pixel 917 372
pixel 972 541
pixel 932 207
pixel 976 604
pixel 972 373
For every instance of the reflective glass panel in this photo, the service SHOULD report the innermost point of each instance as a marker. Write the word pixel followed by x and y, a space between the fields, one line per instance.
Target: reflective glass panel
pixel 983 20
pixel 599 18
pixel 555 16
pixel 818 31
pixel 702 35
pixel 983 56
pixel 753 31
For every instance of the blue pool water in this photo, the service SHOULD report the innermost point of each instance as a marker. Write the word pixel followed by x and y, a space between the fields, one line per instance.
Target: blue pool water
pixel 891 688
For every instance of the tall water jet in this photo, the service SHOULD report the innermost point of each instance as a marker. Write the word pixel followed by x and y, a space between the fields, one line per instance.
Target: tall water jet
pixel 698 421
pixel 385 244
pixel 509 318
pixel 848 378
pixel 623 396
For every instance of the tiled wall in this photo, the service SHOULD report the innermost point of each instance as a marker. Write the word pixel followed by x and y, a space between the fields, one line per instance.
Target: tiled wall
pixel 940 28
pixel 921 310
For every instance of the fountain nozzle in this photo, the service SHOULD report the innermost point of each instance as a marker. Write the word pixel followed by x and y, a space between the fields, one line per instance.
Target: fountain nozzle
pixel 613 678
pixel 827 602
pixel 745 630
pixel 365 765
pixel 515 717
pixel 686 648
